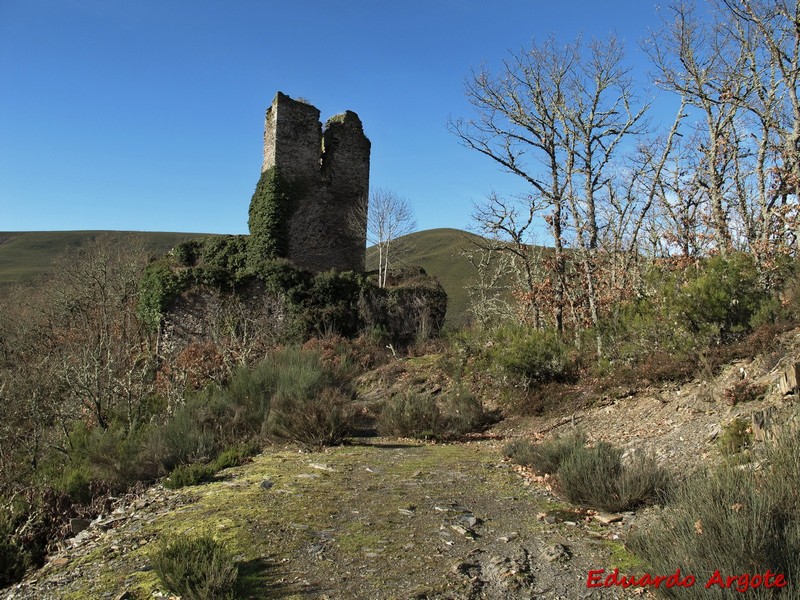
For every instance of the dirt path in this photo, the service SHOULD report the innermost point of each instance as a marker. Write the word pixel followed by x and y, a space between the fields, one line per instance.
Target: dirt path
pixel 382 519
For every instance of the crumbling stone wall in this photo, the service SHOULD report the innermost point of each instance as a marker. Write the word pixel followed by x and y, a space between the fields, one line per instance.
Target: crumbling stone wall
pixel 327 169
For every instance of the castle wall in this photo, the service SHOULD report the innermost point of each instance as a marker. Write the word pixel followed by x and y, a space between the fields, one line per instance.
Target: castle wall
pixel 329 175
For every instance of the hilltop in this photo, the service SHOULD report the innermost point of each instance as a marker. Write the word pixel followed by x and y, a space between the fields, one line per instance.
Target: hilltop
pixel 24 255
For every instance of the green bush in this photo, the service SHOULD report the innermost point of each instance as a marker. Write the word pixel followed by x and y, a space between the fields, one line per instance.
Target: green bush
pixel 191 474
pixel 544 457
pixel 733 520
pixel 424 417
pixel 717 300
pixel 14 560
pixel 310 403
pixel 463 413
pixel 233 457
pixel 734 438
pixel 532 354
pixel 411 415
pixel 196 473
pixel 187 436
pixel 324 418
pixel 595 477
pixel 196 568
pixel 75 482
pixel 157 288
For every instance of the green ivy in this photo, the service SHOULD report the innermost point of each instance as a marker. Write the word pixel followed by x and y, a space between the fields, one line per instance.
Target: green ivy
pixel 158 287
pixel 269 212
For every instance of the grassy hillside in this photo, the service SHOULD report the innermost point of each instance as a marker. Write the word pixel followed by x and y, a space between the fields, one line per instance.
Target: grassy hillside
pixel 438 251
pixel 24 255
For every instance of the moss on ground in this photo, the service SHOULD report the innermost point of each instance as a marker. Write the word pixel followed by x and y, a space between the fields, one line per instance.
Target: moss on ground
pixel 355 520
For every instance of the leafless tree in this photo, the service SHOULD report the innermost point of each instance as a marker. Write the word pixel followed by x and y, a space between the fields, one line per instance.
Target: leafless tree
pixel 389 216
pixel 556 116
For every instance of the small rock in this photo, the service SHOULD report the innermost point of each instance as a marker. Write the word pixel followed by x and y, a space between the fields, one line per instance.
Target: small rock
pixel 556 552
pixel 467 533
pixel 78 525
pixel 322 467
pixel 607 519
pixel 407 511
pixel 511 536
pixel 266 484
pixel 124 596
pixel 60 561
pixel 470 520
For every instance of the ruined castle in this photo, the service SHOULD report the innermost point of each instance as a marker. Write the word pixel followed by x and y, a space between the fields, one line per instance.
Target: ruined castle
pixel 328 170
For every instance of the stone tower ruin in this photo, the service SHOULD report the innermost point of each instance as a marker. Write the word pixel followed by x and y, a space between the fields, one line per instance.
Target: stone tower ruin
pixel 328 170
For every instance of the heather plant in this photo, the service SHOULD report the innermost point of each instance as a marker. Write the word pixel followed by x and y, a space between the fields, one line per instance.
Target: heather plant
pixel 732 520
pixel 426 417
pixel 597 478
pixel 544 457
pixel 196 568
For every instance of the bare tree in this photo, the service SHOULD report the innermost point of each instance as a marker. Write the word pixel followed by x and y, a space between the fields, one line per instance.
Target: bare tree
pixel 555 116
pixel 388 217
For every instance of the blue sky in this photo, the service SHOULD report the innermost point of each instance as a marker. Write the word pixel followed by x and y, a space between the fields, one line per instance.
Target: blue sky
pixel 148 115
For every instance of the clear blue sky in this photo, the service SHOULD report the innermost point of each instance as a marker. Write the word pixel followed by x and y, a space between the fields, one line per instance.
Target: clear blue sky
pixel 148 115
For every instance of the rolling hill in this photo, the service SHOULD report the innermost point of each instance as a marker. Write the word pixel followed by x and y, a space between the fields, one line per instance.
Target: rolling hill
pixel 26 255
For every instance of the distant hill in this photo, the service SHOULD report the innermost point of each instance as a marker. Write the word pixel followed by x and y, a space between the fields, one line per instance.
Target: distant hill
pixel 24 255
pixel 439 252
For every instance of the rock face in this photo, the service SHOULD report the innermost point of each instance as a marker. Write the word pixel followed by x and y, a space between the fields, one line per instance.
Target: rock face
pixel 328 170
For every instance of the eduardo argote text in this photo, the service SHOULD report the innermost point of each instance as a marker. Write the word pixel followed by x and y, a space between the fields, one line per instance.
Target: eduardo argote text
pixel 741 583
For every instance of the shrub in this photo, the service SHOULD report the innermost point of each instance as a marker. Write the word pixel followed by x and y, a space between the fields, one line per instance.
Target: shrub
pixel 730 519
pixel 422 416
pixel 411 415
pixel 734 438
pixel 720 299
pixel 157 288
pixel 75 483
pixel 743 391
pixel 196 568
pixel 463 413
pixel 545 457
pixel 531 355
pixel 187 436
pixel 313 420
pixel 310 404
pixel 233 457
pixel 595 477
pixel 195 473
pixel 186 475
pixel 13 558
pixel 13 562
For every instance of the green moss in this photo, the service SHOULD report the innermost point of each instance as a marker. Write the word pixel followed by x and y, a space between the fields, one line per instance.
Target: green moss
pixel 622 559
